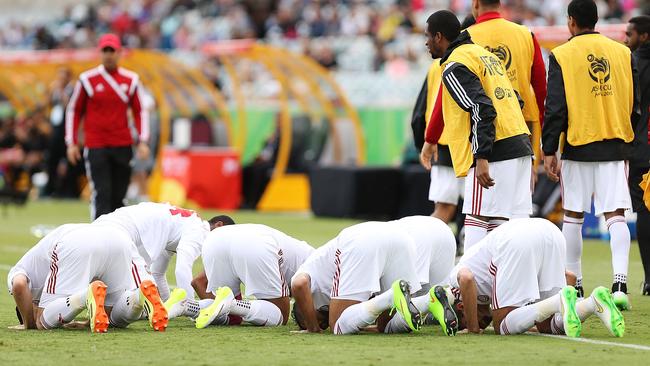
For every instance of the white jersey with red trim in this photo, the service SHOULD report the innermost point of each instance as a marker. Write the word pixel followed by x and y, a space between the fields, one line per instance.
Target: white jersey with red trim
pixel 159 229
pixel 35 264
pixel 477 259
pixel 320 267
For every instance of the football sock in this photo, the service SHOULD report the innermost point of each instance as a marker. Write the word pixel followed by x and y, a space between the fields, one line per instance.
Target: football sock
pixel 192 308
pixel 475 230
pixel 353 319
pixel 63 310
pixel 422 303
pixel 495 223
pixel 619 242
pixel 379 303
pixel 522 319
pixel 256 312
pixel 127 309
pixel 585 308
pixel 163 286
pixel 397 325
pixel 643 236
pixel 557 324
pixel 572 230
pixel 205 303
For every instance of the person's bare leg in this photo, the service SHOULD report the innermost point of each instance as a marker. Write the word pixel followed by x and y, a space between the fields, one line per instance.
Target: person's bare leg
pixel 444 211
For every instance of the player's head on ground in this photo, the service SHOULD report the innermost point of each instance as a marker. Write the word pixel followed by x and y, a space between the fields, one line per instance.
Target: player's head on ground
pixel 219 221
pixel 582 16
pixel 110 47
pixel 484 315
pixel 637 32
pixel 322 315
pixel 442 28
pixel 481 6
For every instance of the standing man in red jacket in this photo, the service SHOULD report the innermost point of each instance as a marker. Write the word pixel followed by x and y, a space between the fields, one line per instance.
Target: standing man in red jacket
pixel 102 97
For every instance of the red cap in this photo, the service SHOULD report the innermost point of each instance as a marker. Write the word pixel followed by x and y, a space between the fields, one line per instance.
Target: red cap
pixel 110 40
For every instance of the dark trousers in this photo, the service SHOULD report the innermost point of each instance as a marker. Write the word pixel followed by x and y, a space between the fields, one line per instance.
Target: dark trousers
pixel 642 217
pixel 109 174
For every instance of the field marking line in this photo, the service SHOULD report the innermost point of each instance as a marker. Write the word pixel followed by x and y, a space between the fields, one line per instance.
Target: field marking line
pixel 594 341
pixel 14 249
pixel 5 267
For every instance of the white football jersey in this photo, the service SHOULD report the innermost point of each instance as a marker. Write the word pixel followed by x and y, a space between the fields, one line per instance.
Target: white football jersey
pixel 477 259
pixel 156 227
pixel 35 264
pixel 320 267
pixel 294 251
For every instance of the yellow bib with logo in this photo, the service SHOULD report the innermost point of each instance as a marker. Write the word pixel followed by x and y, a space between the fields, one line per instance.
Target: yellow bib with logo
pixel 434 78
pixel 513 45
pixel 597 74
pixel 509 121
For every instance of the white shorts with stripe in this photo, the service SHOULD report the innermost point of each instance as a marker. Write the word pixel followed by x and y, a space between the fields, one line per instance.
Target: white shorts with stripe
pixel 234 257
pixel 604 181
pixel 139 269
pixel 510 197
pixel 527 262
pixel 369 257
pixel 445 187
pixel 86 254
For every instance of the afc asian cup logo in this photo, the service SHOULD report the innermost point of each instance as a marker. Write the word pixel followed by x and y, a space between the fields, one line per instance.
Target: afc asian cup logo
pixel 503 53
pixel 599 70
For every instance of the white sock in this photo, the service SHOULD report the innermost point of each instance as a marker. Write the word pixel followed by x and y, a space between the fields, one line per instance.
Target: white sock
pixel 379 303
pixel 572 231
pixel 127 309
pixel 475 230
pixel 585 308
pixel 162 285
pixel 205 303
pixel 257 312
pixel 63 310
pixel 353 319
pixel 422 303
pixel 522 319
pixel 495 223
pixel 619 242
pixel 192 308
pixel 397 325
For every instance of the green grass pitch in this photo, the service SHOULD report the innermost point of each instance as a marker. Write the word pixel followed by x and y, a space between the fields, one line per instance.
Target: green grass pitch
pixel 246 345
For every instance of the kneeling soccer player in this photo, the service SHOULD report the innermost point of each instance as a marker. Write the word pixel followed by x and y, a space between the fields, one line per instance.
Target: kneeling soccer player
pixel 519 270
pixel 259 257
pixel 364 259
pixel 90 267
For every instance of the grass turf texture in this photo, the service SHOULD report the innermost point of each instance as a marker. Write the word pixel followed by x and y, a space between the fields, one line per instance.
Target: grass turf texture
pixel 246 345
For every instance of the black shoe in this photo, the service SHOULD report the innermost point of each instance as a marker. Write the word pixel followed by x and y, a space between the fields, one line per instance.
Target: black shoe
pixel 619 286
pixel 581 291
pixel 645 289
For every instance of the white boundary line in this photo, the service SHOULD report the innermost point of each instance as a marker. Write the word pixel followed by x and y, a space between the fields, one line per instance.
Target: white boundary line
pixel 594 341
pixel 5 267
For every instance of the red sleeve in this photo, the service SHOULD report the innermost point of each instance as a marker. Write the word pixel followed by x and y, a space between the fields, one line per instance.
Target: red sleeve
pixel 74 112
pixel 140 115
pixel 436 122
pixel 538 79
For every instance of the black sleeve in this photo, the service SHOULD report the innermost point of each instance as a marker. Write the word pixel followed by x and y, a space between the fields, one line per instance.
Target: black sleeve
pixel 635 118
pixel 466 89
pixel 418 118
pixel 556 119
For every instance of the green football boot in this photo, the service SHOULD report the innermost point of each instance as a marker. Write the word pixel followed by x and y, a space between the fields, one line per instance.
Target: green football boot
pixel 608 312
pixel 442 311
pixel 402 303
pixel 570 318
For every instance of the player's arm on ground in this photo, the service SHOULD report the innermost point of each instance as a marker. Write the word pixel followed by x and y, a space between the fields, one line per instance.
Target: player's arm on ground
pixel 187 252
pixel 159 271
pixel 301 291
pixel 538 79
pixel 467 91
pixel 469 293
pixel 23 298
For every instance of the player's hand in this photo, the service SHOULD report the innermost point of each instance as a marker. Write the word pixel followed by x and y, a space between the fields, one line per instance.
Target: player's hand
pixel 77 324
pixel 482 173
pixel 552 168
pixel 74 155
pixel 428 151
pixel 467 331
pixel 142 151
pixel 17 327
